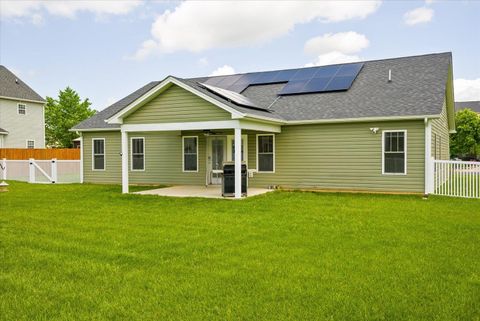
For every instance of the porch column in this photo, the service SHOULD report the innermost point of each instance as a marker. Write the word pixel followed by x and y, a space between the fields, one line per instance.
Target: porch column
pixel 238 162
pixel 124 162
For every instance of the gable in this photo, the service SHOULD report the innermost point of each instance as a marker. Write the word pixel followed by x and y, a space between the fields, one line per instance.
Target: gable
pixel 176 105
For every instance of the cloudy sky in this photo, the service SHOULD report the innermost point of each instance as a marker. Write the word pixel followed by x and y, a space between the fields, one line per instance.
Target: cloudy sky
pixel 107 49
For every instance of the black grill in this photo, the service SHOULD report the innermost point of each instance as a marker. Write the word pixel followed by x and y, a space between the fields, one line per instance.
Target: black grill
pixel 228 182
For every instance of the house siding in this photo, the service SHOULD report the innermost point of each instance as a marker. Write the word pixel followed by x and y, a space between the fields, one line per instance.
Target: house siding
pixel 113 160
pixel 341 156
pixel 22 127
pixel 176 105
pixel 441 136
pixel 322 156
pixel 163 159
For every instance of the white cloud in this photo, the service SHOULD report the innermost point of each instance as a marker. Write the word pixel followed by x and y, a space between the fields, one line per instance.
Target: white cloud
pixel 418 15
pixel 467 89
pixel 197 25
pixel 344 42
pixel 336 48
pixel 224 70
pixel 17 9
pixel 37 19
pixel 203 61
pixel 333 57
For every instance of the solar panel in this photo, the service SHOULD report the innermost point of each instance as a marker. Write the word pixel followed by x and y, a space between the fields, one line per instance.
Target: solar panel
pixel 340 83
pixel 265 77
pixel 230 95
pixel 304 80
pixel 302 74
pixel 293 87
pixel 350 70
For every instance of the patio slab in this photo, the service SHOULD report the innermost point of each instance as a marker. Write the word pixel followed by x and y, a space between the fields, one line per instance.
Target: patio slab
pixel 211 191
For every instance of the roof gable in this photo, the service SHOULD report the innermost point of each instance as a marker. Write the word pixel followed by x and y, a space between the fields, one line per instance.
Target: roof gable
pixel 14 88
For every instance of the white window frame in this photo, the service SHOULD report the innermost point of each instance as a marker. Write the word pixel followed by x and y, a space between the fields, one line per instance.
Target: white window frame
pixel 131 154
pixel 404 131
pixel 274 153
pixel 18 109
pixel 230 140
pixel 104 155
pixel 183 154
pixel 30 140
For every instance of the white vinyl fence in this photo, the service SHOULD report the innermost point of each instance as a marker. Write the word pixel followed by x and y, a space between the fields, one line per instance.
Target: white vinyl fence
pixel 457 178
pixel 41 171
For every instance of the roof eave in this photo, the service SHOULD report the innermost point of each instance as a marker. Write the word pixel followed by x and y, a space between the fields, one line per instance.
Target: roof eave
pixel 23 99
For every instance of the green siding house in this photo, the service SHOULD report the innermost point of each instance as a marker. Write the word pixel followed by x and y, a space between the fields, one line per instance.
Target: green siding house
pixel 369 126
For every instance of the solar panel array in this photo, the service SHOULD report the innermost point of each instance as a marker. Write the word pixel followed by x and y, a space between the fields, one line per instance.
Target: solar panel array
pixel 298 81
pixel 232 96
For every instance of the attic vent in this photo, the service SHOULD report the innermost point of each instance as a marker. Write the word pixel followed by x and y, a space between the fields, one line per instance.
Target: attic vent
pixel 389 75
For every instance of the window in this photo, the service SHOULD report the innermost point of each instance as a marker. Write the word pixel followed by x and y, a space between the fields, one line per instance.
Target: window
pixel 138 154
pixel 266 153
pixel 30 143
pixel 98 145
pixel 190 153
pixel 394 152
pixel 22 109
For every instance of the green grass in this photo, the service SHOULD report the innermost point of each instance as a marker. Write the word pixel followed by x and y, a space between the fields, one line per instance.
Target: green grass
pixel 73 252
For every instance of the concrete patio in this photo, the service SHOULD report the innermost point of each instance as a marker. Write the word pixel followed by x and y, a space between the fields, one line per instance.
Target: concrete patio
pixel 211 191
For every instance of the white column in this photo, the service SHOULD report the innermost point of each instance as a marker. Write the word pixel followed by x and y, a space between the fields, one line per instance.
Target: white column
pixel 238 162
pixel 124 162
pixel 429 170
pixel 4 166
pixel 81 158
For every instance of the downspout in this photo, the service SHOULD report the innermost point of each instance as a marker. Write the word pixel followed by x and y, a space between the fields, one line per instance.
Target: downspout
pixel 429 170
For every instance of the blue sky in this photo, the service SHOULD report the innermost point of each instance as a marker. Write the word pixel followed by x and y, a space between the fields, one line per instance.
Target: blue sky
pixel 107 49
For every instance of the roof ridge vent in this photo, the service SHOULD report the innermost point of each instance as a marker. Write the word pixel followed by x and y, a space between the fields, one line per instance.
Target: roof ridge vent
pixel 389 75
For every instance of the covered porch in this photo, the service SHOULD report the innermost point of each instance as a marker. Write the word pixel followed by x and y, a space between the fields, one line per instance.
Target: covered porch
pixel 216 141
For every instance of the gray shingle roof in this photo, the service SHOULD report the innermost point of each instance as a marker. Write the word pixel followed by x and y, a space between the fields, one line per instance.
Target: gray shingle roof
pixel 13 87
pixel 417 89
pixel 473 105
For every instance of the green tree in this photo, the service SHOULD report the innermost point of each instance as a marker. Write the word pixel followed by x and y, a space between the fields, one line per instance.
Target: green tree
pixel 62 114
pixel 466 141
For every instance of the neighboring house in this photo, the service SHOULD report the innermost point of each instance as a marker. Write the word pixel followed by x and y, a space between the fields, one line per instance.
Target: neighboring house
pixel 473 105
pixel 22 119
pixel 298 128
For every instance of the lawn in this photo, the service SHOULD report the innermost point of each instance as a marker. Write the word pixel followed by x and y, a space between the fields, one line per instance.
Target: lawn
pixel 73 252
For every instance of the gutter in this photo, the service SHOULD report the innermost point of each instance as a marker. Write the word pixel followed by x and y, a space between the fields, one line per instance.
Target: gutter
pixel 23 99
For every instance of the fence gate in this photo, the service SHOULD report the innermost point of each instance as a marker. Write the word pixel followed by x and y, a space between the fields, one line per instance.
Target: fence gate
pixel 41 171
pixel 456 178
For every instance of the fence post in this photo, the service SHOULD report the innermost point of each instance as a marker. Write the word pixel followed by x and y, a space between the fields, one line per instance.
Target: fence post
pixel 54 170
pixel 431 175
pixel 4 169
pixel 31 170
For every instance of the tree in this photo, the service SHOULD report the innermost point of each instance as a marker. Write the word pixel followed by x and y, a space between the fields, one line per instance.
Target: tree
pixel 62 114
pixel 466 141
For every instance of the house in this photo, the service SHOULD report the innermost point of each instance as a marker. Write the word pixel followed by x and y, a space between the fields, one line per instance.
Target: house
pixel 22 119
pixel 473 105
pixel 369 126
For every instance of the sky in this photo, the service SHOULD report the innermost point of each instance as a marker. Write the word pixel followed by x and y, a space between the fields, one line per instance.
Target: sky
pixel 107 49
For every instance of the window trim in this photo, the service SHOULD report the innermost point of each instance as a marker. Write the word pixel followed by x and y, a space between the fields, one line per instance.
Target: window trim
pixel 29 140
pixel 104 155
pixel 405 149
pixel 18 109
pixel 183 154
pixel 273 153
pixel 131 154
